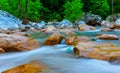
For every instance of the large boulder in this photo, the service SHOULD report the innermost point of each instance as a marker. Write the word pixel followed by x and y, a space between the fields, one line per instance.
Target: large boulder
pixel 112 18
pixel 65 24
pixel 108 37
pixel 8 21
pixel 54 39
pixel 92 19
pixel 117 24
pixel 12 42
pixel 97 50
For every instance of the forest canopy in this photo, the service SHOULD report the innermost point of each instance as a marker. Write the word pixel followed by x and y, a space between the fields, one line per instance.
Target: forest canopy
pixel 48 10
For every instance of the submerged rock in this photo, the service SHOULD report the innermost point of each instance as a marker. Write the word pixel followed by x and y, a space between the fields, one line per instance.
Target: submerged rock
pixel 26 68
pixel 108 37
pixel 97 50
pixel 54 39
pixel 66 31
pixel 12 42
pixel 85 27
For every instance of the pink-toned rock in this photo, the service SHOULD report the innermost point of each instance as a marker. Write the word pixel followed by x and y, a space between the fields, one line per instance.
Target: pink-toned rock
pixel 54 39
pixel 73 40
pixel 108 37
pixel 98 50
pixel 50 29
pixel 1 50
pixel 106 29
pixel 85 27
pixel 12 42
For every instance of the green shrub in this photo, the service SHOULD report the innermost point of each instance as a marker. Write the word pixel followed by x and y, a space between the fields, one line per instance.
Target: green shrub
pixel 73 10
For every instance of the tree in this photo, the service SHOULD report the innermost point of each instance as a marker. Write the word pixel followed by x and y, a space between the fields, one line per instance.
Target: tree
pixel 86 5
pixel 100 7
pixel 27 9
pixel 53 9
pixel 114 6
pixel 73 10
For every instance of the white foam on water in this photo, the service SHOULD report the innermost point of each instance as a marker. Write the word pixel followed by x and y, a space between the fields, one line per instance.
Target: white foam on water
pixel 59 59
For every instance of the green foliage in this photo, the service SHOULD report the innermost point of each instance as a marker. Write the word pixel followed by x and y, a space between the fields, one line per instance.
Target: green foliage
pixel 33 12
pixel 73 10
pixel 34 8
pixel 49 10
pixel 53 9
pixel 116 6
pixel 100 7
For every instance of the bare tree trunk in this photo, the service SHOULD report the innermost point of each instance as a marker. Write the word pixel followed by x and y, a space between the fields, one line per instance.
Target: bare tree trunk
pixel 19 8
pixel 112 7
pixel 24 21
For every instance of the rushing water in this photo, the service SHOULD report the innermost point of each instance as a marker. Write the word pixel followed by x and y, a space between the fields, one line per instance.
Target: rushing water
pixel 60 59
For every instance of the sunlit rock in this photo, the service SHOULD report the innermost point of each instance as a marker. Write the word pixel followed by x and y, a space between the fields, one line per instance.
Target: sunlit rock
pixel 12 42
pixel 85 27
pixel 8 21
pixel 26 68
pixel 54 39
pixel 50 29
pixel 1 50
pixel 97 50
pixel 108 37
pixel 65 24
pixel 73 40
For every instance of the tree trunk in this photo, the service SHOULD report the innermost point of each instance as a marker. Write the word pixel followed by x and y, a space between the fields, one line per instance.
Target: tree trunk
pixel 24 21
pixel 19 8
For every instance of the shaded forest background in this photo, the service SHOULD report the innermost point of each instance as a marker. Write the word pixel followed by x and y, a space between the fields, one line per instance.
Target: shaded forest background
pixel 49 10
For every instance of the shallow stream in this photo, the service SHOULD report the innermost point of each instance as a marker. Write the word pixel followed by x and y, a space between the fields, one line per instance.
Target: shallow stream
pixel 60 59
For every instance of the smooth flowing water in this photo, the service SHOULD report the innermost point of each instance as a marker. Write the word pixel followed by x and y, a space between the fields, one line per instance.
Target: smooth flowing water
pixel 59 59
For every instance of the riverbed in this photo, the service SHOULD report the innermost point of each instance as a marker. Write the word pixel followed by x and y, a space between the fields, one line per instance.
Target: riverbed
pixel 61 59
